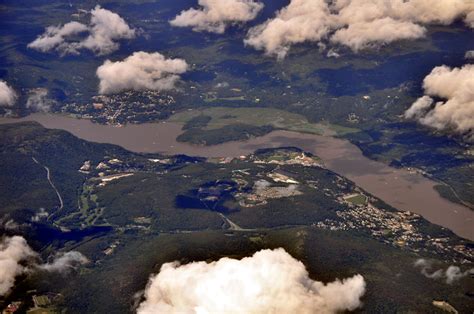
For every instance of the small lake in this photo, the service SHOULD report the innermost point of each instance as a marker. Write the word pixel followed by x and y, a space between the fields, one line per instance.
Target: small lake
pixel 400 188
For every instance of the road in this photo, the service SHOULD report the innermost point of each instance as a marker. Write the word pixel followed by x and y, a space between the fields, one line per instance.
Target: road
pixel 232 225
pixel 48 176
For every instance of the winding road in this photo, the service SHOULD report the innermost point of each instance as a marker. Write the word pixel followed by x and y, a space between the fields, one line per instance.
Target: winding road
pixel 48 176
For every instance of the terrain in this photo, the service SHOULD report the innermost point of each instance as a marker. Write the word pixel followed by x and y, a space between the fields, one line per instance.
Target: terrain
pixel 233 157
pixel 363 94
pixel 129 213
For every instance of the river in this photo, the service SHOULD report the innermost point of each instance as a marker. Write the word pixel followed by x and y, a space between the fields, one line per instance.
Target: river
pixel 400 188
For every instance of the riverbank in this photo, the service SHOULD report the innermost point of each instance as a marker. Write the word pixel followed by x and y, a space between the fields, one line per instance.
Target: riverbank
pixel 400 188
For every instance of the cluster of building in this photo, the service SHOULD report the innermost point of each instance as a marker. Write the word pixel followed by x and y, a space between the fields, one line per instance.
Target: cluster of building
pixel 114 168
pixel 101 173
pixel 117 109
pixel 397 228
pixel 263 190
pixel 293 158
pixel 279 157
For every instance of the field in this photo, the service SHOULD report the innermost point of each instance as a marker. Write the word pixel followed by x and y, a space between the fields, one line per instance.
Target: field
pixel 357 199
pixel 279 119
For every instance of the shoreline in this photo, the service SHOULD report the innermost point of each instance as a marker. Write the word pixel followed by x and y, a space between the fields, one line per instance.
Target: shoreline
pixel 398 187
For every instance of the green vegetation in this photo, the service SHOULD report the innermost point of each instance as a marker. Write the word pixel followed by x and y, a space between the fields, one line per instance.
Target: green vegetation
pixel 211 98
pixel 232 132
pixel 221 124
pixel 197 122
pixel 357 199
pixel 283 154
pixel 328 255
pixel 447 193
pixel 261 95
pixel 61 152
pixel 219 117
pixel 364 91
pixel 148 225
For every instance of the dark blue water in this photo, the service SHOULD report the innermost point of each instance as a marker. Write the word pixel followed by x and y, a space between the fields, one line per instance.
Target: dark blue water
pixel 41 235
pixel 209 196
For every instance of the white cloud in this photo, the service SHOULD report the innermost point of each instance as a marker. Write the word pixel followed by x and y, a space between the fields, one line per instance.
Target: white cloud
pixel 469 20
pixel 366 23
pixel 419 108
pixel 55 37
pixel 17 257
pixel 450 275
pixel 270 281
pixel 64 262
pixel 363 35
pixel 104 29
pixel 13 252
pixel 7 95
pixel 300 21
pixel 357 24
pixel 216 15
pixel 442 12
pixel 456 113
pixel 38 100
pixel 140 71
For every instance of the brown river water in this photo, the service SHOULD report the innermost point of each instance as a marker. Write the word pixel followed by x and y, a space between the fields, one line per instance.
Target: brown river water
pixel 400 188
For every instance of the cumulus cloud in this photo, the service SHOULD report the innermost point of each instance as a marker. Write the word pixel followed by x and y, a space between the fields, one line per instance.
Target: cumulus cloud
pixel 450 275
pixel 419 108
pixel 300 21
pixel 7 95
pixel 270 281
pixel 357 24
pixel 362 35
pixel 215 15
pixel 64 262
pixel 14 252
pixel 106 27
pixel 55 37
pixel 454 114
pixel 102 32
pixel 38 100
pixel 442 12
pixel 140 71
pixel 17 258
